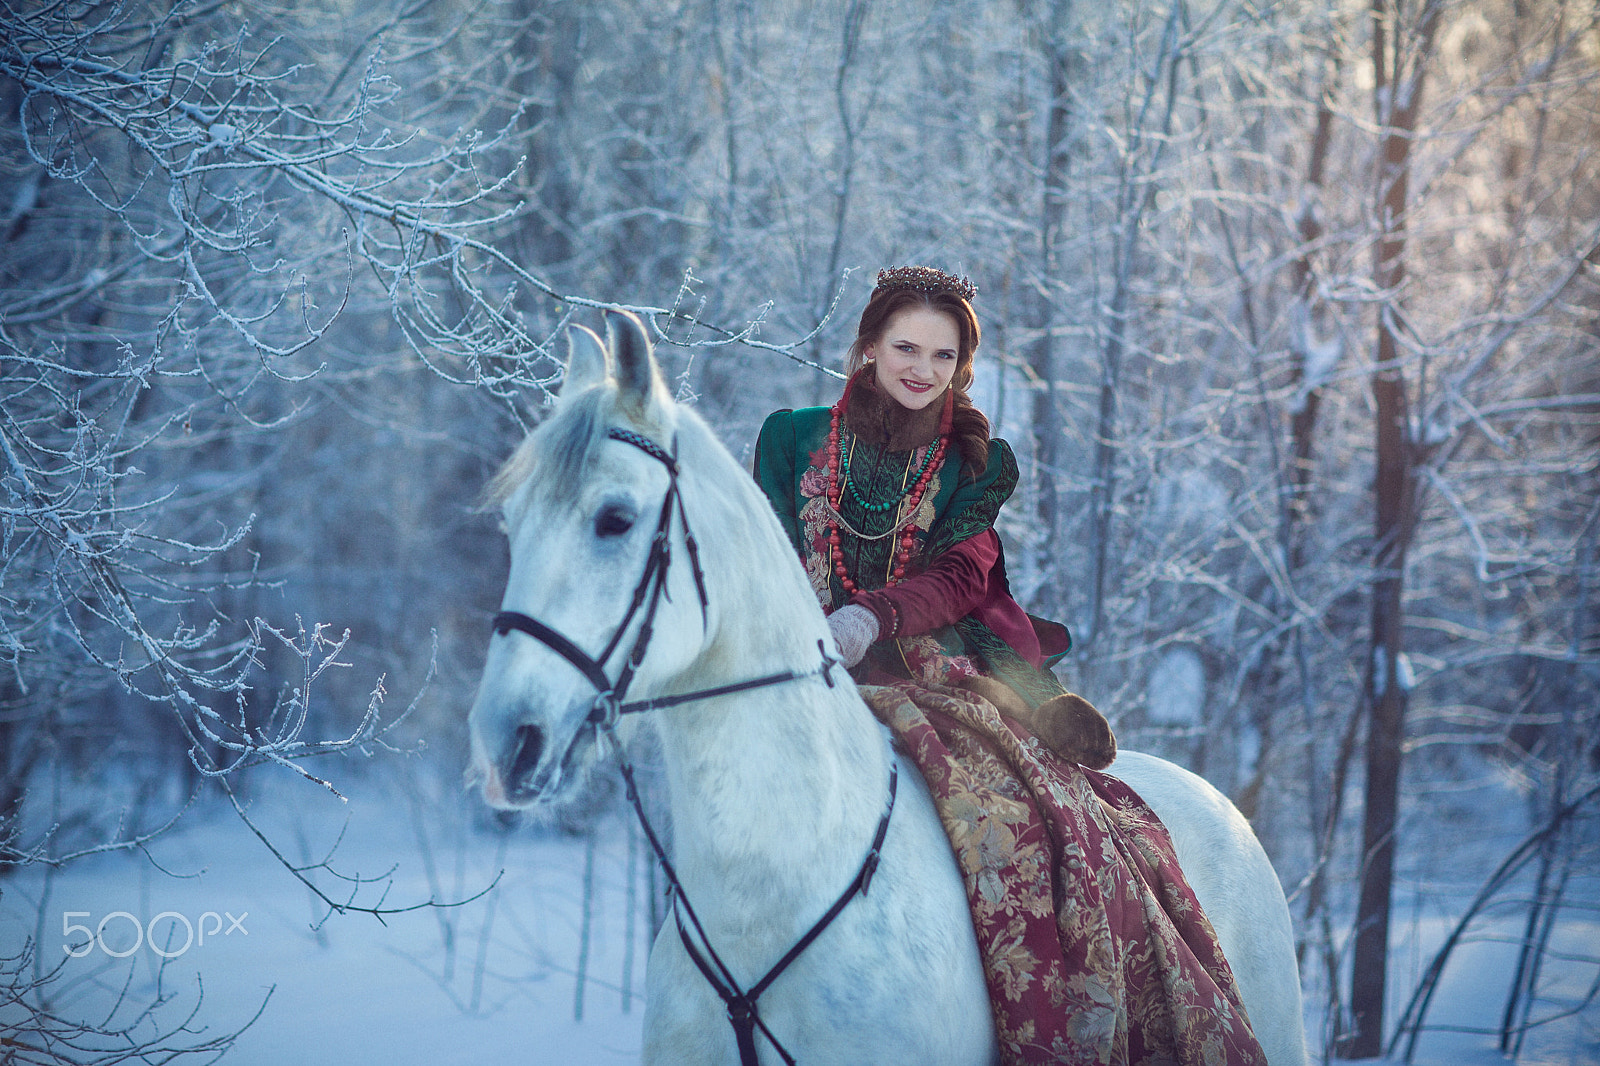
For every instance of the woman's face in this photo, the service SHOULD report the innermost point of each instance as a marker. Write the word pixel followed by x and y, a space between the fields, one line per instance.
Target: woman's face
pixel 916 356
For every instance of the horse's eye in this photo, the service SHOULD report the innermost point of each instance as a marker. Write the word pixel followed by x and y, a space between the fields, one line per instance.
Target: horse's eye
pixel 612 521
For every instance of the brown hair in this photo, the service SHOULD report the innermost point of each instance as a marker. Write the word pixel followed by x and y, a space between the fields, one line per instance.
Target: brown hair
pixel 969 429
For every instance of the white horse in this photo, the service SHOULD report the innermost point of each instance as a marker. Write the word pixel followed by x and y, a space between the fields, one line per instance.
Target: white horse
pixel 775 792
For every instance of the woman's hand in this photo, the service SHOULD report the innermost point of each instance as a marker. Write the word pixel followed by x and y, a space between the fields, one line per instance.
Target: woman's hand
pixel 854 629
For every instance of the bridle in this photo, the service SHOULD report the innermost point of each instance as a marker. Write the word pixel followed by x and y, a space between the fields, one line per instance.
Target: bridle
pixel 610 703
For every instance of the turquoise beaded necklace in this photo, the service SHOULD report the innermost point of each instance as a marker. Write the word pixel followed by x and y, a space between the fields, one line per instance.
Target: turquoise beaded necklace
pixel 879 508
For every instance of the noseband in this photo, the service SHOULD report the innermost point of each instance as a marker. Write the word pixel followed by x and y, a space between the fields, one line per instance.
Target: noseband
pixel 610 704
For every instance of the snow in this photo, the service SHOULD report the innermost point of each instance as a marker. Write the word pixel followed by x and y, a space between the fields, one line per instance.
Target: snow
pixel 1471 998
pixel 497 976
pixel 1405 674
pixel 354 989
pixel 1320 356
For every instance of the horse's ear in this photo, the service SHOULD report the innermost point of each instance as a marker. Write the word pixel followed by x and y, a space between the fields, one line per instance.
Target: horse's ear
pixel 639 381
pixel 588 362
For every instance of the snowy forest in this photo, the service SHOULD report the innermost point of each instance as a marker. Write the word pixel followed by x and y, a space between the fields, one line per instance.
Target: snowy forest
pixel 1291 312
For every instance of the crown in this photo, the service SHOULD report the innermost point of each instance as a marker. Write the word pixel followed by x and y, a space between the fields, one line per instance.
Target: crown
pixel 924 279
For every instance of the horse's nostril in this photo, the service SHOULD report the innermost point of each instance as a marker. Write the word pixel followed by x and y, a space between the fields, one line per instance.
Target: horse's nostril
pixel 529 744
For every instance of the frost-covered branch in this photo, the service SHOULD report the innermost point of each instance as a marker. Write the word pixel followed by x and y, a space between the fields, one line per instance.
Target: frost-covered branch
pixel 158 1031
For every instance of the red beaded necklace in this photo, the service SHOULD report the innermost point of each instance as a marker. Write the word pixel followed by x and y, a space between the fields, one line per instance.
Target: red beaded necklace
pixel 909 503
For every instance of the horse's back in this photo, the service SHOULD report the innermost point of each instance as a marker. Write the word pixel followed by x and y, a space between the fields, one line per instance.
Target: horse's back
pixel 1239 890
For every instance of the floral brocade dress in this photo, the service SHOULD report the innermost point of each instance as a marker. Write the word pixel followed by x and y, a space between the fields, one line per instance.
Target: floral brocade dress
pixel 1094 948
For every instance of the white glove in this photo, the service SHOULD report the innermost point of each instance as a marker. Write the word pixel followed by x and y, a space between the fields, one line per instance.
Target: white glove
pixel 854 628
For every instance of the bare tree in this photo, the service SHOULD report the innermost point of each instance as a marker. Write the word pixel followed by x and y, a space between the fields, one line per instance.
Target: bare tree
pixel 1401 56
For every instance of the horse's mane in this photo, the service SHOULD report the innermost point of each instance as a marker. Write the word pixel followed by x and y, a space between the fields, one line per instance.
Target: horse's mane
pixel 561 446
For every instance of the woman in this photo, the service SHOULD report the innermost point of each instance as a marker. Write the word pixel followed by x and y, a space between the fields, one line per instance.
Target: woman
pixel 893 511
pixel 1094 947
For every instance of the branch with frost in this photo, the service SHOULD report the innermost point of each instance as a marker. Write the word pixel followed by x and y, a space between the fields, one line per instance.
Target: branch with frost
pixel 1576 266
pixel 126 1033
pixel 221 130
pixel 204 209
pixel 281 739
pixel 351 886
pixel 74 549
pixel 39 853
pixel 204 164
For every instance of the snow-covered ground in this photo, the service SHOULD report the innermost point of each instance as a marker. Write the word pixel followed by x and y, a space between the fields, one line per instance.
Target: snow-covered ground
pixel 496 979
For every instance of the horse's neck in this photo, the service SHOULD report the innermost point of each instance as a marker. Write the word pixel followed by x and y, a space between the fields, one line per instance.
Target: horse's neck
pixel 775 791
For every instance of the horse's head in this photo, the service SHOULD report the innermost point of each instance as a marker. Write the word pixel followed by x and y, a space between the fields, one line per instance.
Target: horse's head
pixel 583 501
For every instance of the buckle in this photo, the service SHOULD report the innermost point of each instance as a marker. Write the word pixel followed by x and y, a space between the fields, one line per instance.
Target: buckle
pixel 605 710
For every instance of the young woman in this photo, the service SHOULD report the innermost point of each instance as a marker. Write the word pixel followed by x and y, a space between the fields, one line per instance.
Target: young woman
pixel 1093 944
pixel 891 496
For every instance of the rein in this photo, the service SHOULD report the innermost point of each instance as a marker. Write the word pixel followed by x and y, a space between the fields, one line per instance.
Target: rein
pixel 610 704
pixel 743 1011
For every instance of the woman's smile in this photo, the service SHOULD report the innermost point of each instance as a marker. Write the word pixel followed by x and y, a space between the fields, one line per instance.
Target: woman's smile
pixel 916 356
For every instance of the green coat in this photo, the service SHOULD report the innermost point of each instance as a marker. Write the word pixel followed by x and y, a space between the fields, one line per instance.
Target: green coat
pixel 791 466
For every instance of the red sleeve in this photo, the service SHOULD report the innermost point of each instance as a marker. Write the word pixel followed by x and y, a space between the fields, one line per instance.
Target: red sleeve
pixel 952 588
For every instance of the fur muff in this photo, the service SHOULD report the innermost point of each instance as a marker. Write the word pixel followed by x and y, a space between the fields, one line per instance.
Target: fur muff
pixel 1068 725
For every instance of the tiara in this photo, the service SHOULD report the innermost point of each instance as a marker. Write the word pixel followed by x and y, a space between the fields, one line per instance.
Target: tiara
pixel 924 279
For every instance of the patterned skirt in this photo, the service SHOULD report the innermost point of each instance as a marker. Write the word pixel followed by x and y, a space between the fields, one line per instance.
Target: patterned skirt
pixel 1093 944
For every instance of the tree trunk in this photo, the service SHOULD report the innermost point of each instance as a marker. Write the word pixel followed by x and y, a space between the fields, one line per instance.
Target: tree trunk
pixel 1047 420
pixel 1397 90
pixel 850 125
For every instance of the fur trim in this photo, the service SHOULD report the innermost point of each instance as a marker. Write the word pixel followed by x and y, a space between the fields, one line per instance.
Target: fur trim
pixel 1068 725
pixel 878 419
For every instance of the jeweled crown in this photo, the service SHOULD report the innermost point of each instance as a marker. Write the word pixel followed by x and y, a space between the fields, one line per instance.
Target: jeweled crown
pixel 924 279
